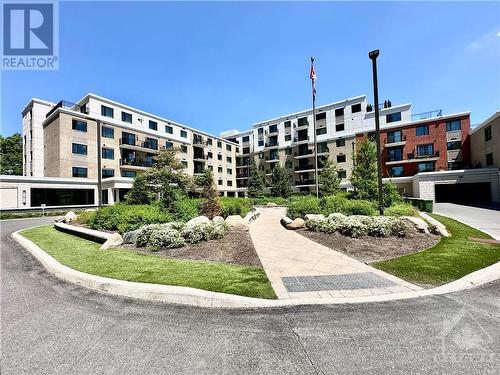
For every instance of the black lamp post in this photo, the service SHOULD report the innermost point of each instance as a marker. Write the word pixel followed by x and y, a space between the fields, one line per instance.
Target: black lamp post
pixel 373 56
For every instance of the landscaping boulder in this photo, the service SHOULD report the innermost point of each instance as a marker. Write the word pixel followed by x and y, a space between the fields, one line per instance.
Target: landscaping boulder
pixel 114 240
pixel 436 226
pixel 59 219
pixel 198 220
pixel 418 223
pixel 296 224
pixel 217 219
pixel 314 217
pixel 69 217
pixel 252 215
pixel 285 221
pixel 91 209
pixel 236 221
pixel 270 204
pixel 131 237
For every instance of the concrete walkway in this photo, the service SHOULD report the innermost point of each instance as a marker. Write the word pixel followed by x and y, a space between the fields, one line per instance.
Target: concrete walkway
pixel 486 220
pixel 300 268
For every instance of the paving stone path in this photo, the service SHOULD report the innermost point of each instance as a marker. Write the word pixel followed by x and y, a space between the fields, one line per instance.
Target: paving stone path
pixel 301 268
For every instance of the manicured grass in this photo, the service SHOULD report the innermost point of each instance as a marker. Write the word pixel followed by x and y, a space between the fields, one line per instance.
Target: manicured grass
pixel 122 264
pixel 450 259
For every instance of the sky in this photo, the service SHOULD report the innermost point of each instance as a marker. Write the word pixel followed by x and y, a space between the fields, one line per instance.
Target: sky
pixel 220 66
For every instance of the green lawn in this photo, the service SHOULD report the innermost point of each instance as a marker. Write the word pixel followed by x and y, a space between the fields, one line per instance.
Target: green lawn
pixel 452 258
pixel 122 264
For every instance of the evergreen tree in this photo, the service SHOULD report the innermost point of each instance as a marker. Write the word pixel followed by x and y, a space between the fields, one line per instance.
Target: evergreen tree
pixel 11 155
pixel 280 182
pixel 255 181
pixel 328 179
pixel 141 192
pixel 210 206
pixel 364 173
pixel 391 194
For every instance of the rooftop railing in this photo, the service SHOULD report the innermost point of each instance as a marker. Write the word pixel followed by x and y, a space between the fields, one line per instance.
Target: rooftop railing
pixel 426 115
pixel 68 105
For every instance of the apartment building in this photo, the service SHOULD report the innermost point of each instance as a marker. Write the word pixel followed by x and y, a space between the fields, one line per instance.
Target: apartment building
pixel 289 140
pixel 485 143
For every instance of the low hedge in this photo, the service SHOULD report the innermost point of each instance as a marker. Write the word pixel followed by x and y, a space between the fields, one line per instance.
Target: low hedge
pixel 235 206
pixel 401 209
pixel 186 209
pixel 301 206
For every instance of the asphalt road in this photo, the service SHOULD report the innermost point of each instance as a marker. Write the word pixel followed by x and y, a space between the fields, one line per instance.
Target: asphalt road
pixel 50 327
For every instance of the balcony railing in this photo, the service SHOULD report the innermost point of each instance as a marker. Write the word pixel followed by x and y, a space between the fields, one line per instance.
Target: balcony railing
pixel 68 105
pixel 426 115
pixel 304 167
pixel 303 153
pixel 271 144
pixel 137 162
pixel 272 158
pixel 412 156
pixel 395 140
pixel 301 139
pixel 304 182
pixel 138 143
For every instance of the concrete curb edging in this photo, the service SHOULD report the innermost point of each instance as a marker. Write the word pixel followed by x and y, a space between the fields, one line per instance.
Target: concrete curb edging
pixel 202 298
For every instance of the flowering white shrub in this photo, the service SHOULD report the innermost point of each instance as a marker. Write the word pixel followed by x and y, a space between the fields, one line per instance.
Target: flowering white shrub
pixel 353 227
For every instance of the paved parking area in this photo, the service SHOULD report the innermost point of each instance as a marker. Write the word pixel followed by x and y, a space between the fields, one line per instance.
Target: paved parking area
pixel 487 220
pixel 300 268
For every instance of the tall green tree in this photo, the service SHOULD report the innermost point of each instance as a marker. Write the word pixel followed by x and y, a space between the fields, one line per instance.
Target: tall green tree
pixel 391 194
pixel 210 206
pixel 141 192
pixel 11 154
pixel 256 186
pixel 280 182
pixel 364 173
pixel 328 179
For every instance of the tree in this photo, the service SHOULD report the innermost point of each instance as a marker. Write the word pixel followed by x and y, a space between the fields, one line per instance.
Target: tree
pixel 364 173
pixel 11 154
pixel 280 182
pixel 328 179
pixel 141 192
pixel 210 206
pixel 391 194
pixel 255 181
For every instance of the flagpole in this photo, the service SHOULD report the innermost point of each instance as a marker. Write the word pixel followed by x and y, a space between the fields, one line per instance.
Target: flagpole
pixel 314 130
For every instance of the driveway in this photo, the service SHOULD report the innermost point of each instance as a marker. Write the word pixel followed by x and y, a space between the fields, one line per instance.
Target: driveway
pixel 487 220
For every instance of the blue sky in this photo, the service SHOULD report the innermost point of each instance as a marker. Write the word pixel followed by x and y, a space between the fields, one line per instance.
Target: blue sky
pixel 218 66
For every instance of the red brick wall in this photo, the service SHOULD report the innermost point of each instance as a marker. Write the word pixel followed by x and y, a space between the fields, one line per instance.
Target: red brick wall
pixel 436 137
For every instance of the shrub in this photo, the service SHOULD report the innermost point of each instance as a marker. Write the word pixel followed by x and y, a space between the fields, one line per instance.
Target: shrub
pixel 391 194
pixel 301 206
pixel 85 217
pixel 280 201
pixel 203 232
pixel 125 218
pixel 156 236
pixel 352 226
pixel 334 203
pixel 186 209
pixel 235 206
pixel 401 209
pixel 360 207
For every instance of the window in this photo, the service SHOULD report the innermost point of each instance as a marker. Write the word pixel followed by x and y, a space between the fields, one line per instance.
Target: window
pixel 454 145
pixel 273 129
pixel 425 150
pixel 219 157
pixel 422 130
pixel 219 169
pixel 260 130
pixel 489 159
pixel 209 141
pixel 106 111
pixel 229 183
pixel 288 151
pixel 339 112
pixel 302 121
pixel 127 117
pixel 169 129
pixel 395 154
pixel 79 149
pixel 229 171
pixel 229 159
pixel 321 116
pixel 356 108
pixel 184 164
pixel 219 182
pixel 261 155
pixel 322 147
pixel 153 125
pixel 321 131
pixel 261 142
pixel 288 124
pixel 184 134
pixel 130 174
pixel 426 167
pixel 80 126
pixel 339 127
pixel 211 167
pixel 393 117
pixel 342 174
pixel 79 172
pixel 108 153
pixel 151 143
pixel 106 173
pixel 487 133
pixel 288 137
pixel 394 136
pixel 453 125
pixel 340 158
pixel 169 144
pixel 288 165
pixel 245 139
pixel 210 155
pixel 340 142
pixel 228 147
pixel 107 132
pixel 396 171
pixel 184 148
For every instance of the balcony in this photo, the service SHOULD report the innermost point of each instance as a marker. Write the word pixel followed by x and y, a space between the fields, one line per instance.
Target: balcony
pixel 303 154
pixel 68 105
pixel 241 176
pixel 411 158
pixel 199 142
pixel 304 168
pixel 302 126
pixel 396 141
pixel 305 183
pixel 272 159
pixel 200 158
pixel 323 151
pixel 271 145
pixel 300 140
pixel 136 144
pixel 139 164
pixel 273 130
pixel 426 115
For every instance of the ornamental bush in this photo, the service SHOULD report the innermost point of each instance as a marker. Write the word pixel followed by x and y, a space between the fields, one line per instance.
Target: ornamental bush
pixel 235 206
pixel 156 236
pixel 401 209
pixel 301 206
pixel 186 209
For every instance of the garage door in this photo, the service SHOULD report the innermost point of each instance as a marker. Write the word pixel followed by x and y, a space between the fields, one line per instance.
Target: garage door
pixel 463 193
pixel 8 198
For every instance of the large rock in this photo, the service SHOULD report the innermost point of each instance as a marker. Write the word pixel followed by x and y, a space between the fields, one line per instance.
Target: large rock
pixel 217 219
pixel 131 237
pixel 314 217
pixel 436 226
pixel 198 220
pixel 236 221
pixel 418 223
pixel 252 215
pixel 69 217
pixel 114 240
pixel 271 204
pixel 296 224
pixel 285 221
pixel 91 209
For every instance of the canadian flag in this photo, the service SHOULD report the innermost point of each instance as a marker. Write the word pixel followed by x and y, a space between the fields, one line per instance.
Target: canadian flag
pixel 312 75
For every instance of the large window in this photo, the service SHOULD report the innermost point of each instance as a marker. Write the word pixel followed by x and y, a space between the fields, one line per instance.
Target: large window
pixel 426 167
pixel 153 125
pixel 288 137
pixel 79 149
pixel 273 129
pixel 487 133
pixel 169 144
pixel 489 159
pixel 339 127
pixel 229 171
pixel 79 172
pixel 79 125
pixel 422 130
pixel 229 159
pixel 340 142
pixel 340 158
pixel 454 145
pixel 425 150
pixel 128 138
pixel 302 121
pixel 321 116
pixel 184 134
pixel 395 154
pixel 261 142
pixel 130 174
pixel 107 173
pixel 339 112
pixel 61 197
pixel 107 111
pixel 107 132
pixel 169 129
pixel 453 125
pixel 127 117
pixel 245 139
pixel 394 136
pixel 228 147
pixel 321 131
pixel 108 153
pixel 356 108
pixel 322 148
pixel 393 117
pixel 219 157
pixel 396 171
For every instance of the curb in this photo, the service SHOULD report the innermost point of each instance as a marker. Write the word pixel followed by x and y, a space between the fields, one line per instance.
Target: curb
pixel 202 298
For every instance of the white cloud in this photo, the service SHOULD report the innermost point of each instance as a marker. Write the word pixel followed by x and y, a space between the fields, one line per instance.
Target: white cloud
pixel 487 41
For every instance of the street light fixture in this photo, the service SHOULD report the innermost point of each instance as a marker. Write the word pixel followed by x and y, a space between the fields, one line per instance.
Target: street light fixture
pixel 373 56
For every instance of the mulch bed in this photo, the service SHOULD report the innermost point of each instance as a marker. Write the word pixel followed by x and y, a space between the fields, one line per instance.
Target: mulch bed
pixel 373 249
pixel 236 247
